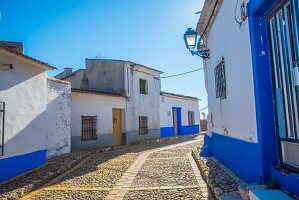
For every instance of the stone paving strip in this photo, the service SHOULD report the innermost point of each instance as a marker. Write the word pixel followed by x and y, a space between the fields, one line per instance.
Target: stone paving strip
pixel 188 194
pixel 125 183
pixel 161 172
pixel 221 181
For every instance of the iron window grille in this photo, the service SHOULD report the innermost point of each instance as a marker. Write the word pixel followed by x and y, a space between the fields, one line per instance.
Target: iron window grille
pixel 220 80
pixel 143 125
pixel 2 115
pixel 191 118
pixel 89 127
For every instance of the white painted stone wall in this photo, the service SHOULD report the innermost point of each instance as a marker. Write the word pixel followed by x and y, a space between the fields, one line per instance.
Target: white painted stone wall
pixel 94 105
pixel 168 102
pixel 142 104
pixel 23 89
pixel 58 117
pixel 235 115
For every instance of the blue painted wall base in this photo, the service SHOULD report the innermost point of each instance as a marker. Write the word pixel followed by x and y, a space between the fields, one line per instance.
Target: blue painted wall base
pixel 13 166
pixel 167 132
pixel 206 150
pixel 186 130
pixel 289 182
pixel 183 130
pixel 242 157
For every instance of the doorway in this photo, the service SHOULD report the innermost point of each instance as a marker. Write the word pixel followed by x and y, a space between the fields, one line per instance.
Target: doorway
pixel 176 120
pixel 117 126
pixel 284 42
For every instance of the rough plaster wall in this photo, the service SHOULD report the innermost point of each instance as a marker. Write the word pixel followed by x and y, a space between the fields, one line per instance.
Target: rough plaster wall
pixel 94 105
pixel 234 116
pixel 58 118
pixel 142 104
pixel 166 104
pixel 105 75
pixel 76 80
pixel 23 89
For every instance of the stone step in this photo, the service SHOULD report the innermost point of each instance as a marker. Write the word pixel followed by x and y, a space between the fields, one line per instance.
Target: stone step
pixel 231 196
pixel 245 188
pixel 267 194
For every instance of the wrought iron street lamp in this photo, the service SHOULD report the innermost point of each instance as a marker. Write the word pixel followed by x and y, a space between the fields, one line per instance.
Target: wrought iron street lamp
pixel 190 38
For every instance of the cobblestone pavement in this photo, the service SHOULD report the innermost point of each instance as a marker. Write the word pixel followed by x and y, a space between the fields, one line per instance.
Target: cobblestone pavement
pixel 153 171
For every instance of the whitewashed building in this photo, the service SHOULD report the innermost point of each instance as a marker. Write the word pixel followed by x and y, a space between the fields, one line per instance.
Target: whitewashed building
pixel 179 115
pixel 117 102
pixel 114 102
pixel 252 84
pixel 25 123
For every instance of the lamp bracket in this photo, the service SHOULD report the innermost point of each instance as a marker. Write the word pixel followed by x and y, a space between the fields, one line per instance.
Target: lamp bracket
pixel 204 53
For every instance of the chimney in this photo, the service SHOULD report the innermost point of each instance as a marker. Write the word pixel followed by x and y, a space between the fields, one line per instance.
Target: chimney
pixel 15 46
pixel 68 71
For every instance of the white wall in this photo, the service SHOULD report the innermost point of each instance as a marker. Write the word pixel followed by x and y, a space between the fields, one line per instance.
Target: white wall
pixel 166 104
pixel 59 117
pixel 94 105
pixel 142 104
pixel 23 89
pixel 236 113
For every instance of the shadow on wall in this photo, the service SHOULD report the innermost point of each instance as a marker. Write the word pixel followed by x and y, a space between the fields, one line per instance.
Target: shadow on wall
pixel 25 150
pixel 25 140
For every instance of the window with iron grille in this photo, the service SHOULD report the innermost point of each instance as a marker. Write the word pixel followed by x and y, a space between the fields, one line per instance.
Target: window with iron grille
pixel 89 127
pixel 2 113
pixel 220 81
pixel 191 118
pixel 143 125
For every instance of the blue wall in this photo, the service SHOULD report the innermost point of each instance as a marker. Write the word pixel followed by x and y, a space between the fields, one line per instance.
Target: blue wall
pixel 242 157
pixel 167 131
pixel 10 167
pixel 185 130
pixel 288 182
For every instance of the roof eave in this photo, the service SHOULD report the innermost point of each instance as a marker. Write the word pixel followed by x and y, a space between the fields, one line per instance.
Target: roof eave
pixel 33 61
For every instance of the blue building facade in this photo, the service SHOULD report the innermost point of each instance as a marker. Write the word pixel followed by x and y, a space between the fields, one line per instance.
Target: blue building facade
pixel 274 32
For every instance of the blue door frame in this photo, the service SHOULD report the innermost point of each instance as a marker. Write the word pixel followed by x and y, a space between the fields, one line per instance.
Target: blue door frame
pixel 179 119
pixel 258 11
pixel 265 115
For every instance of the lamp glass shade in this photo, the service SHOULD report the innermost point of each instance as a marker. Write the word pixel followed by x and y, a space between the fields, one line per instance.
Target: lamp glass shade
pixel 190 38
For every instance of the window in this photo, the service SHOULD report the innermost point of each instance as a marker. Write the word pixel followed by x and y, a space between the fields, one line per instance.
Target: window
pixel 143 128
pixel 220 82
pixel 89 127
pixel 2 112
pixel 143 86
pixel 191 118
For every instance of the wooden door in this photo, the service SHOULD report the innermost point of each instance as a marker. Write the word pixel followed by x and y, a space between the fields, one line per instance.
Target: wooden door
pixel 117 126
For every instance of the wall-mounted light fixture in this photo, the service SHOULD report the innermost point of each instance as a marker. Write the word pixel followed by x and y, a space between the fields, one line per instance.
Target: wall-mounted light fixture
pixel 7 66
pixel 190 38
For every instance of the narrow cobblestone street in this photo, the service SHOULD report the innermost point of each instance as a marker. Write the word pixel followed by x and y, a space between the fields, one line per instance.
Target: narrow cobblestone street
pixel 151 171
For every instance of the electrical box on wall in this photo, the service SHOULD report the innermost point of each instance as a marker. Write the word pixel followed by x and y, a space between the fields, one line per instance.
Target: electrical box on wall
pixel 244 11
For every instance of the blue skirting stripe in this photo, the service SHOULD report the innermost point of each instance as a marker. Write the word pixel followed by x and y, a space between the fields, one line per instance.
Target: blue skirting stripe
pixel 167 131
pixel 185 130
pixel 289 182
pixel 13 166
pixel 244 158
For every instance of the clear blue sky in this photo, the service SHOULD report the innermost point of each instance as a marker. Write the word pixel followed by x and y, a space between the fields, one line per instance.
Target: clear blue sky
pixel 150 32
